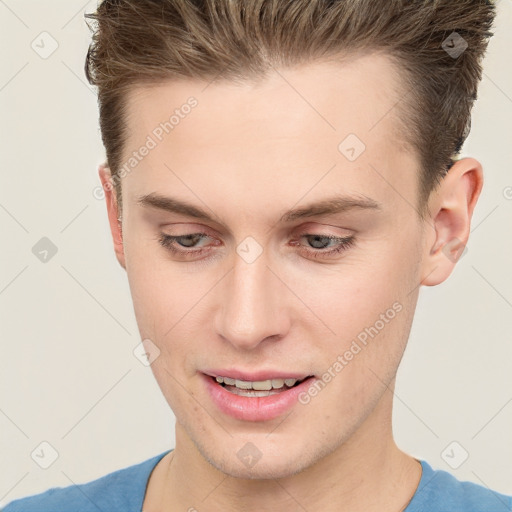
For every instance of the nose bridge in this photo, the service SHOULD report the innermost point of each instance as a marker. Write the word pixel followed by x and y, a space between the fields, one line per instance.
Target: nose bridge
pixel 251 305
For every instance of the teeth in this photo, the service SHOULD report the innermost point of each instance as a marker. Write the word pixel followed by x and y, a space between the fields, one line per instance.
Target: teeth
pixel 251 392
pixel 277 383
pixel 263 385
pixel 260 385
pixel 242 384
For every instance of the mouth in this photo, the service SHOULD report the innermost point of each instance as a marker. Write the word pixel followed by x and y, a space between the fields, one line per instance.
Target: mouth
pixel 260 396
pixel 258 388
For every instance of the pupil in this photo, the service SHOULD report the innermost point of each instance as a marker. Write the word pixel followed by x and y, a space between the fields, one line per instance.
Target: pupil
pixel 317 238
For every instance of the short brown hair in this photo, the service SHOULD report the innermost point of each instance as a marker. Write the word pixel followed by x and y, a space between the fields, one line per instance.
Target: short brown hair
pixel 137 42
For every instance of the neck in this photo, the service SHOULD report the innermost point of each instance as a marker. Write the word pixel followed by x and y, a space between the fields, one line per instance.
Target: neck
pixel 366 473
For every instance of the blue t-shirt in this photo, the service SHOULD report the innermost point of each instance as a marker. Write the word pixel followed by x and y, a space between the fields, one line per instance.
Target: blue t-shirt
pixel 124 491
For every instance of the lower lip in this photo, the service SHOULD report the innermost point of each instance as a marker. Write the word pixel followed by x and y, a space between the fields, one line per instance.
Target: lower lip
pixel 261 408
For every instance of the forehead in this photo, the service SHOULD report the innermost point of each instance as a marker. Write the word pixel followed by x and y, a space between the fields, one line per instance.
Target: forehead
pixel 282 133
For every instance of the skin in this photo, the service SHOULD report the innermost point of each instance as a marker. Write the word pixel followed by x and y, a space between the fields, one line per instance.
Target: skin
pixel 246 154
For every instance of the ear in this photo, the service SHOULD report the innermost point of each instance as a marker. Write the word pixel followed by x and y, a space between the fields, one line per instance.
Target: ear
pixel 113 213
pixel 450 209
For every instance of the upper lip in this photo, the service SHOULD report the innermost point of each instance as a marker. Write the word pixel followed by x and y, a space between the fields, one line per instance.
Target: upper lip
pixel 255 375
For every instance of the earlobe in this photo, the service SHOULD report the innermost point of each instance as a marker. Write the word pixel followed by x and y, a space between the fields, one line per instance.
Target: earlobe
pixel 113 213
pixel 451 208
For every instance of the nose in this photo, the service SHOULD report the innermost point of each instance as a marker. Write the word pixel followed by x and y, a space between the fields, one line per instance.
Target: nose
pixel 252 306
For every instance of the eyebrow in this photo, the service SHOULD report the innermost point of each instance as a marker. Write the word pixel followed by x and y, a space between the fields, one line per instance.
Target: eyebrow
pixel 328 206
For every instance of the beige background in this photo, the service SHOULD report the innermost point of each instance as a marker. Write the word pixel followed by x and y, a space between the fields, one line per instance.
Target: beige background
pixel 68 374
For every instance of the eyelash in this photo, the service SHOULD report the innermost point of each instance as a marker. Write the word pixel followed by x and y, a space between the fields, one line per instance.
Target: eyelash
pixel 168 242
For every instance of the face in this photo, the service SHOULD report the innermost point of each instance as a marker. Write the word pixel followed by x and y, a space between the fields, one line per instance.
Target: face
pixel 259 284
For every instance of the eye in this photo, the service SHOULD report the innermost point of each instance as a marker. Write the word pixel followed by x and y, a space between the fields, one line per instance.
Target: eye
pixel 320 242
pixel 186 245
pixel 174 242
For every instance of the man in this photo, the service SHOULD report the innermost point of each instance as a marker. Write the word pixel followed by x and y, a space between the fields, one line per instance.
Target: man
pixel 281 180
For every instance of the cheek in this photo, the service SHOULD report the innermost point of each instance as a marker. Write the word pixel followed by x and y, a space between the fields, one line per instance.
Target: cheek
pixel 169 309
pixel 353 297
pixel 161 294
pixel 359 369
pixel 369 310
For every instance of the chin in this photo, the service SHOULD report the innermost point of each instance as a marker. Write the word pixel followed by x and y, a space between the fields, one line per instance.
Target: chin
pixel 273 461
pixel 262 470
